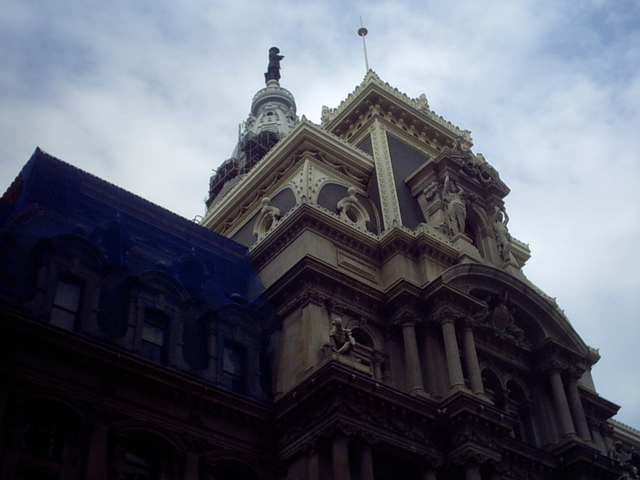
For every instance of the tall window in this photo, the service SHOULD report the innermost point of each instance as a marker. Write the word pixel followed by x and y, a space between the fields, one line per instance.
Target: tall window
pixel 66 303
pixel 234 360
pixel 135 467
pixel 155 336
pixel 44 437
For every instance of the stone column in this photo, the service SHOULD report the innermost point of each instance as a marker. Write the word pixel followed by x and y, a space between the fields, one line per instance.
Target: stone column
pixel 472 472
pixel 97 464
pixel 366 462
pixel 471 361
pixel 561 404
pixel 340 458
pixel 577 410
pixel 456 378
pixel 376 367
pixel 412 359
pixel 313 464
pixel 191 466
pixel 429 474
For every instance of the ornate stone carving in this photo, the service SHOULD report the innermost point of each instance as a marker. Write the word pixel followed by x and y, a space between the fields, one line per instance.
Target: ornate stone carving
pixel 499 221
pixel 341 339
pixel 268 217
pixel 351 210
pixel 453 195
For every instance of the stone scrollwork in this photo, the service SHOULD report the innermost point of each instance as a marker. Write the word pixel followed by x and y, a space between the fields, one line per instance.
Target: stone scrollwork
pixel 351 210
pixel 268 217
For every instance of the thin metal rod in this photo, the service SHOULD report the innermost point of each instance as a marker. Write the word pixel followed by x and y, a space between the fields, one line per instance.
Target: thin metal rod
pixel 363 33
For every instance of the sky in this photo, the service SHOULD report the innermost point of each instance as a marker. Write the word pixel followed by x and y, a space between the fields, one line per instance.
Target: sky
pixel 148 95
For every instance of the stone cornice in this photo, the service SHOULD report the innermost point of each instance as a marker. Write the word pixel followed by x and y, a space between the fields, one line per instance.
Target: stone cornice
pixel 331 117
pixel 416 243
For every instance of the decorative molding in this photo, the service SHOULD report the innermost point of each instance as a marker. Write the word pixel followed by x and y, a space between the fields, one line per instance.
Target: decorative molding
pixel 390 207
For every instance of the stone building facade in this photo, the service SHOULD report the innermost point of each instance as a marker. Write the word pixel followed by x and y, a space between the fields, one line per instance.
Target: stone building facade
pixel 352 307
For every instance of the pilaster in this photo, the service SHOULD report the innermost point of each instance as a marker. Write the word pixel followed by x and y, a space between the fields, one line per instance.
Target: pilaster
pixel 386 181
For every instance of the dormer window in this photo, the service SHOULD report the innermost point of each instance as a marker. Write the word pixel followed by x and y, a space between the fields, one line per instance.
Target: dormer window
pixel 66 303
pixel 234 366
pixel 154 338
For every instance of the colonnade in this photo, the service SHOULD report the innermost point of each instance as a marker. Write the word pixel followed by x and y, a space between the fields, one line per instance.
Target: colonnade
pixel 414 373
pixel 564 388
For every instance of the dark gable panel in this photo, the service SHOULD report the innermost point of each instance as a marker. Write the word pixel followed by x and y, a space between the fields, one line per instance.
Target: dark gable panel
pixel 405 160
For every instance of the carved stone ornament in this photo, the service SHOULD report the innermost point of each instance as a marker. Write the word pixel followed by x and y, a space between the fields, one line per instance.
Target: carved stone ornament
pixel 456 208
pixel 268 217
pixel 341 339
pixel 351 210
pixel 499 221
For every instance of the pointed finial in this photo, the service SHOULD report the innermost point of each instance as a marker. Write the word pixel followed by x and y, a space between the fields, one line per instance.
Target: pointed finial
pixel 363 33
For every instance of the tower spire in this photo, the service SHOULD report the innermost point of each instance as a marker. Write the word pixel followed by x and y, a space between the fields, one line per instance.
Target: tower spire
pixel 363 33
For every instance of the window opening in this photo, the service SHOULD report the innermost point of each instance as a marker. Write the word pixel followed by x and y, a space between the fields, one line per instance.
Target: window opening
pixel 135 468
pixel 234 366
pixel 155 335
pixel 66 304
pixel 44 438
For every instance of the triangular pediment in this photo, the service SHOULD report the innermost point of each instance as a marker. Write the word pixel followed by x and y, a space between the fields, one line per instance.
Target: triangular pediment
pixel 411 114
pixel 304 140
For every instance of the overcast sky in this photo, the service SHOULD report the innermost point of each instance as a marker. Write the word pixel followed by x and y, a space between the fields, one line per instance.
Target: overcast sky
pixel 148 94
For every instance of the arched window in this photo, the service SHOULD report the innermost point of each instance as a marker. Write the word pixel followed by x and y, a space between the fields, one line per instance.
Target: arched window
pixel 518 407
pixel 52 437
pixel 493 388
pixel 147 456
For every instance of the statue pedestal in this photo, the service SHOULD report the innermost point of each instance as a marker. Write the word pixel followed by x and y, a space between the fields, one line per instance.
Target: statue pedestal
pixel 332 356
pixel 469 252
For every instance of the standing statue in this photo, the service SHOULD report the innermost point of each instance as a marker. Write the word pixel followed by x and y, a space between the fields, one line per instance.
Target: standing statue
pixel 455 205
pixel 341 337
pixel 273 69
pixel 501 232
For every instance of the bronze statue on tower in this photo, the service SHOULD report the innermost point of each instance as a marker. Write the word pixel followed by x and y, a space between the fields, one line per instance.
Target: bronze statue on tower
pixel 273 69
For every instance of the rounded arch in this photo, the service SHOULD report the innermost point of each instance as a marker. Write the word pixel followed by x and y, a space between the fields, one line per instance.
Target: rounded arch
pixel 49 427
pixel 81 412
pixel 164 282
pixel 364 334
pixel 126 427
pixel 79 247
pixel 240 315
pixel 284 199
pixel 476 225
pixel 536 314
pixel 517 389
pixel 362 337
pixel 191 272
pixel 230 457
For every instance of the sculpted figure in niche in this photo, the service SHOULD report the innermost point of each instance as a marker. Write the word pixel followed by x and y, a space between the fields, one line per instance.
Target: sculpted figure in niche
pixel 341 339
pixel 453 195
pixel 501 232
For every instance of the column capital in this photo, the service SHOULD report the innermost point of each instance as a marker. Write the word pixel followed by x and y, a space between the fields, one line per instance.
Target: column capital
pixel 552 366
pixel 447 313
pixel 405 316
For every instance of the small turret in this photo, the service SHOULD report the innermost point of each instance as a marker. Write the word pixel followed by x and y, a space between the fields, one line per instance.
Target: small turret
pixel 272 116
